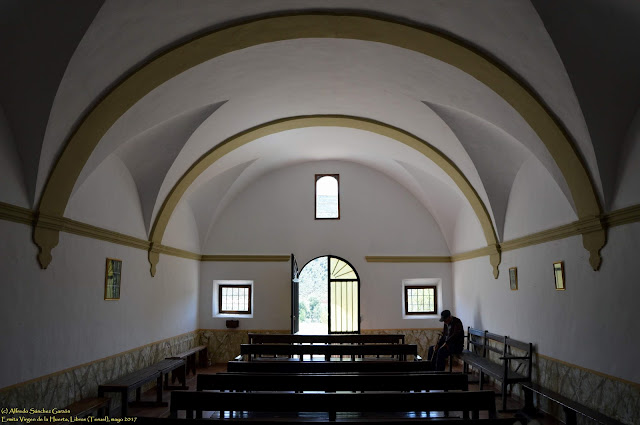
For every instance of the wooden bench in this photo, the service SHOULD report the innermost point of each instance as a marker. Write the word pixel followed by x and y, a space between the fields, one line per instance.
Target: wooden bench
pixel 135 381
pixel 569 406
pixel 332 382
pixel 375 402
pixel 358 365
pixel 300 382
pixel 479 346
pixel 257 338
pixel 252 352
pixel 190 357
pixel 98 407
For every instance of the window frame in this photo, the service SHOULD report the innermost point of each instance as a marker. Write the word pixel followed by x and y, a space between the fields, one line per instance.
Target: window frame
pixel 217 298
pixel 406 287
pixel 315 197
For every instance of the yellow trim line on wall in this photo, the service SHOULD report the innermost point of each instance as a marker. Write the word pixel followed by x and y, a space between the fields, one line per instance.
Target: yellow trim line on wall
pixel 22 215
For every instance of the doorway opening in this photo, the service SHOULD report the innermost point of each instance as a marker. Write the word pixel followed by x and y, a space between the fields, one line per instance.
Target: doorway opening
pixel 328 297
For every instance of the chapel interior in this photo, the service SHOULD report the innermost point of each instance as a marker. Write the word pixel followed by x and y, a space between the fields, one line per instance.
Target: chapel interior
pixel 485 149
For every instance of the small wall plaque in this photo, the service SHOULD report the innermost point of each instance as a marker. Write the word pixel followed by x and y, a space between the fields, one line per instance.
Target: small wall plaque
pixel 232 324
pixel 558 272
pixel 112 278
pixel 513 278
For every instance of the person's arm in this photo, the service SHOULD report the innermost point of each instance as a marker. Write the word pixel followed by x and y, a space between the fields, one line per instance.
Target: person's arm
pixel 441 338
pixel 457 332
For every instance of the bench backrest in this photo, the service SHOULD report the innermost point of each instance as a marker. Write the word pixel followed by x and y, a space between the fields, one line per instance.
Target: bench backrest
pixel 475 340
pixel 399 350
pixel 326 367
pixel 333 382
pixel 523 359
pixel 257 338
pixel 484 343
pixel 466 401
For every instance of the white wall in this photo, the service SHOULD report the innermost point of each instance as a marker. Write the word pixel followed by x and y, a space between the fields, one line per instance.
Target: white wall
pixel 628 184
pixel 182 230
pixel 109 199
pixel 57 318
pixel 536 203
pixel 275 215
pixel 271 294
pixel 592 324
pixel 14 190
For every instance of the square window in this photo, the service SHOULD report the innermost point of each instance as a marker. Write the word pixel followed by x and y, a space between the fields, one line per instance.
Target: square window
pixel 420 299
pixel 232 298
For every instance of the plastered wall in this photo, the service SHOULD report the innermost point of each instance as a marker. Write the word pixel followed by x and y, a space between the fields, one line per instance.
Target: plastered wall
pixel 57 318
pixel 276 216
pixel 591 324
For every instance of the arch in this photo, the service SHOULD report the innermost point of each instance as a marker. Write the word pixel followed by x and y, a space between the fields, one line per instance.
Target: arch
pixel 343 284
pixel 277 126
pixel 276 28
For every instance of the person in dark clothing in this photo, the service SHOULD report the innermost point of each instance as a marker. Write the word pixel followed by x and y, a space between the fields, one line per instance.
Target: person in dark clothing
pixel 450 342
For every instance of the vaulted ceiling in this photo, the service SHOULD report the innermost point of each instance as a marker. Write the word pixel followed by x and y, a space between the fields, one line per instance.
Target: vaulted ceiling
pixel 63 60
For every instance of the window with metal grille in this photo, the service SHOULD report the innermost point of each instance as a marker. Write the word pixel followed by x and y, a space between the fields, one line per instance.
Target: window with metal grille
pixel 234 299
pixel 421 299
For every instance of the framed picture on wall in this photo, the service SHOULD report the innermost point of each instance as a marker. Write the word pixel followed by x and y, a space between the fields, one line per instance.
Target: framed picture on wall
pixel 112 279
pixel 558 272
pixel 513 278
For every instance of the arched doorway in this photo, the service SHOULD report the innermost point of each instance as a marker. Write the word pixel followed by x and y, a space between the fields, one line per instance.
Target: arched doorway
pixel 328 297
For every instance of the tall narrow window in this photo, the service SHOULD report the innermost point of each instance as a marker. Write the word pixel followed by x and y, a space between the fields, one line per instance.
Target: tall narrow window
pixel 328 196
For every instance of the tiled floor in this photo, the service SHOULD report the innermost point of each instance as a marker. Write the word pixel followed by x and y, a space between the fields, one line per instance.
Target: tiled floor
pixel 157 412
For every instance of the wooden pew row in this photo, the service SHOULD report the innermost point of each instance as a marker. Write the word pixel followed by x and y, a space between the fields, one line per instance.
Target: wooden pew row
pixel 378 402
pixel 326 367
pixel 252 352
pixel 332 382
pixel 257 338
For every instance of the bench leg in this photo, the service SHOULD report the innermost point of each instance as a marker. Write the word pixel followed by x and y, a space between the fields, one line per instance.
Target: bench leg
pixel 570 416
pixel 204 358
pixel 159 389
pixel 529 408
pixel 192 363
pixel 504 396
pixel 124 399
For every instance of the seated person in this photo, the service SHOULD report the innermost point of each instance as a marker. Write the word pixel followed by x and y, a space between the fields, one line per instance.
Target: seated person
pixel 450 342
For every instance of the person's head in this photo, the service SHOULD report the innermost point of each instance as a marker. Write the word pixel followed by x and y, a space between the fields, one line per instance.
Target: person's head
pixel 445 316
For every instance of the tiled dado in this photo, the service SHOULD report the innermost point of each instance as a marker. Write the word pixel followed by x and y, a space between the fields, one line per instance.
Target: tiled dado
pixel 613 397
pixel 63 388
pixel 224 344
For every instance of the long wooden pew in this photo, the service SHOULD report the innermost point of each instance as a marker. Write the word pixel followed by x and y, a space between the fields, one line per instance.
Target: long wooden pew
pixel 252 352
pixel 374 402
pixel 332 382
pixel 357 365
pixel 258 338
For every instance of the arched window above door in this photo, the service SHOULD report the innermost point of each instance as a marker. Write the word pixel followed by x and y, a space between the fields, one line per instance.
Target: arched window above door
pixel 327 194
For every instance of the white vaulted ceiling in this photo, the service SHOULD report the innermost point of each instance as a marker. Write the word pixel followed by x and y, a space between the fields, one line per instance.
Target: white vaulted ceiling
pixel 164 133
